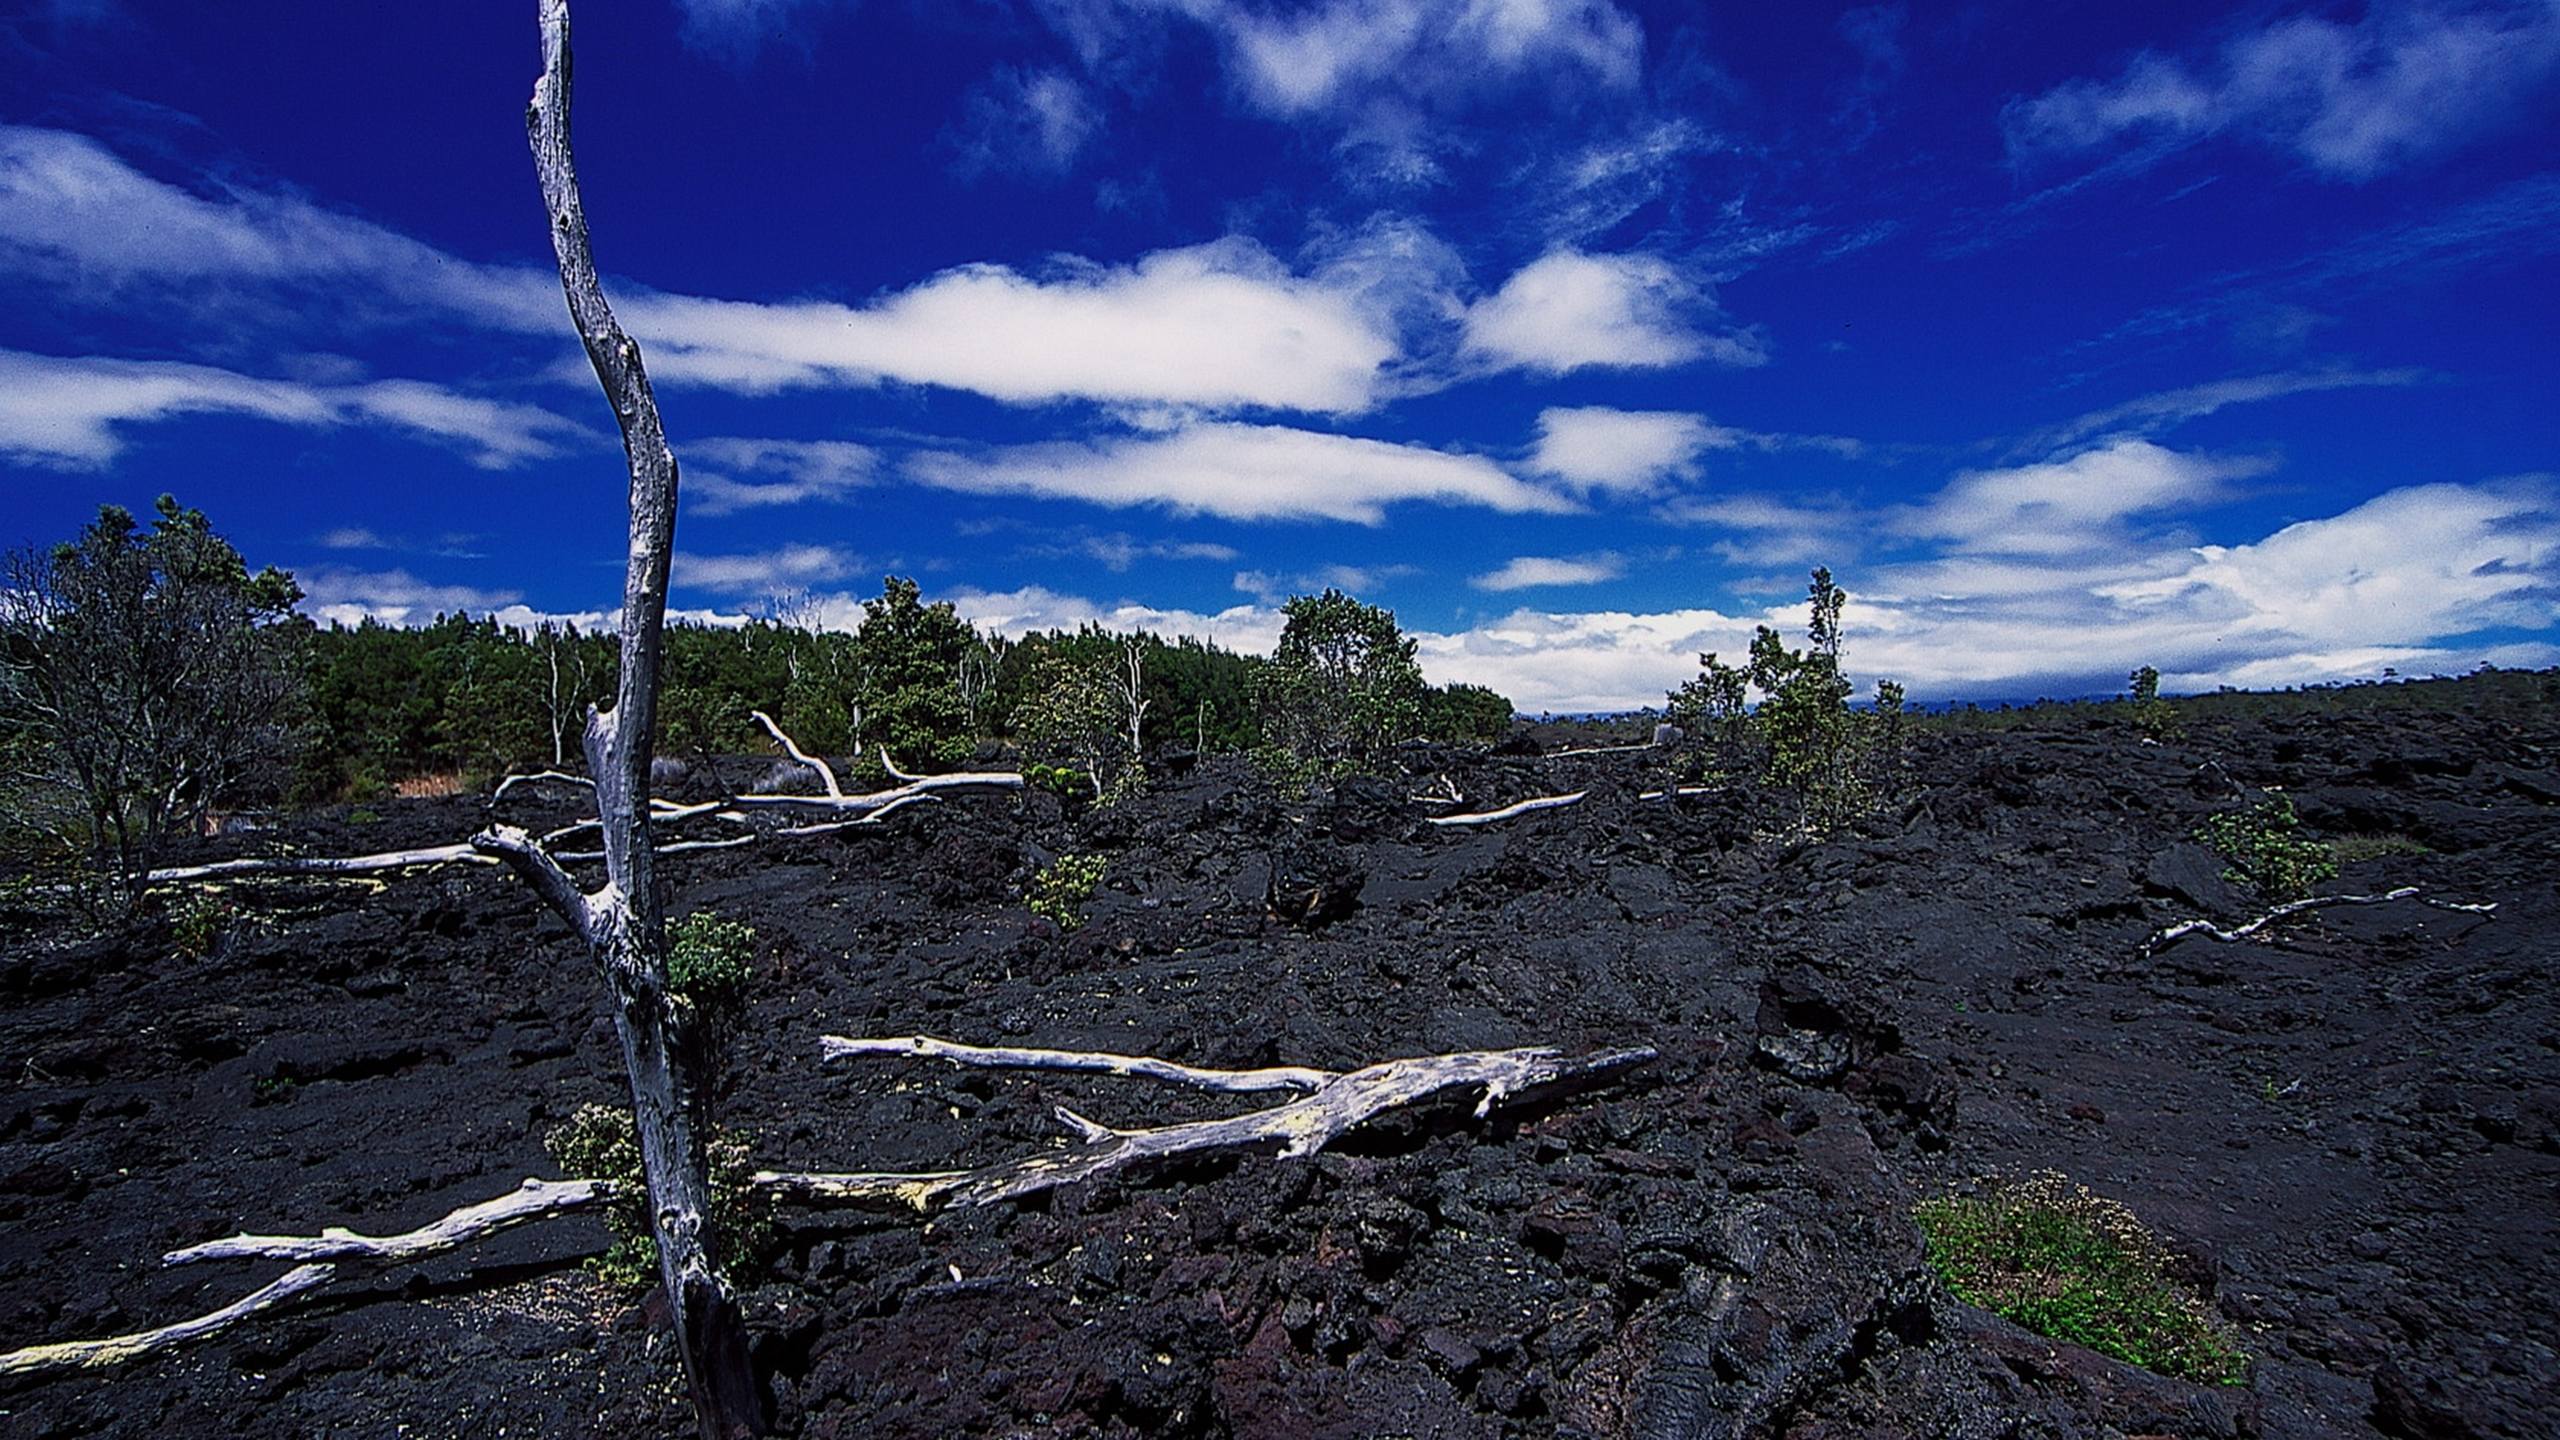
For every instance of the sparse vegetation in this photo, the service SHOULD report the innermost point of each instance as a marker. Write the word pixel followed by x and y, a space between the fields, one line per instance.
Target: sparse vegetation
pixel 2156 718
pixel 598 1142
pixel 1063 887
pixel 1342 686
pixel 709 962
pixel 200 923
pixel 2266 851
pixel 2065 1263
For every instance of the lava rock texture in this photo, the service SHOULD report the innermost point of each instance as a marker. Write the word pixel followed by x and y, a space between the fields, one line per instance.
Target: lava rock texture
pixel 2350 1131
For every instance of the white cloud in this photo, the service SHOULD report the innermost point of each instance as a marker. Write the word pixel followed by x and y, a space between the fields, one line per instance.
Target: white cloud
pixel 2150 414
pixel 2353 100
pixel 333 594
pixel 1240 472
pixel 1026 122
pixel 782 570
pixel 1344 51
pixel 1569 310
pixel 1361 580
pixel 72 209
pixel 2070 506
pixel 1632 451
pixel 1248 629
pixel 70 412
pixel 1526 572
pixel 1217 326
pixel 800 471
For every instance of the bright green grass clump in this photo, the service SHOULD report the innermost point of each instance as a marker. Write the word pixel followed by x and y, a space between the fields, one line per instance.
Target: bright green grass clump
pixel 2064 1263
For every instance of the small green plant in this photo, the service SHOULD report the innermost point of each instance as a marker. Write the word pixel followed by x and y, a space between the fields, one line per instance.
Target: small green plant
pixel 2153 716
pixel 1062 888
pixel 2265 850
pixel 270 1089
pixel 2064 1263
pixel 1057 779
pixel 710 959
pixel 2351 848
pixel 600 1143
pixel 199 924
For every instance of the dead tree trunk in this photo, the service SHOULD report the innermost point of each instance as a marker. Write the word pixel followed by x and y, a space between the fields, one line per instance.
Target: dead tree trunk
pixel 621 923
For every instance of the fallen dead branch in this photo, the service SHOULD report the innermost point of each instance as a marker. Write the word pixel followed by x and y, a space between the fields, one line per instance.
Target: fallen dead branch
pixel 534 1200
pixel 2171 935
pixel 1324 1105
pixel 1598 750
pixel 117 1349
pixel 1513 811
pixel 1299 1127
pixel 539 777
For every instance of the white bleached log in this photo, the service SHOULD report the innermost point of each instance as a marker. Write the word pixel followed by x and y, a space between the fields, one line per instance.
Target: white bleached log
pixel 1510 812
pixel 536 1199
pixel 539 777
pixel 1145 1067
pixel 116 1350
pixel 792 748
pixel 324 864
pixel 2170 935
pixel 1298 1128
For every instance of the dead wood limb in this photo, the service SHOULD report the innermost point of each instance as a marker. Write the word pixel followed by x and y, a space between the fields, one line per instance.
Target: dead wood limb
pixel 1447 794
pixel 1597 750
pixel 792 748
pixel 539 777
pixel 536 1199
pixel 1508 812
pixel 462 854
pixel 1677 792
pixel 2172 934
pixel 114 1350
pixel 1146 1067
pixel 1297 1128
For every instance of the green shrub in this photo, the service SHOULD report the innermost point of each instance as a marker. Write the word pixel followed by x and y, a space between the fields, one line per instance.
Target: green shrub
pixel 1061 889
pixel 709 962
pixel 1342 685
pixel 600 1143
pixel 2265 850
pixel 2067 1264
pixel 199 924
pixel 2153 716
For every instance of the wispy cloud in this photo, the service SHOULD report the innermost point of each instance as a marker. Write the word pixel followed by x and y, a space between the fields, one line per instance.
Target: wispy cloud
pixel 791 472
pixel 1240 472
pixel 71 412
pixel 2062 508
pixel 779 571
pixel 1527 572
pixel 2167 409
pixel 1025 122
pixel 1361 580
pixel 2350 99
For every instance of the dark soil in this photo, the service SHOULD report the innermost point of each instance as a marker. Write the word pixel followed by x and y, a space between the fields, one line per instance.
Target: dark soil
pixel 2349 1132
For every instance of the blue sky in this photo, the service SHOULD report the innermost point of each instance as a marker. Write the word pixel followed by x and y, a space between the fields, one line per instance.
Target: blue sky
pixel 2071 336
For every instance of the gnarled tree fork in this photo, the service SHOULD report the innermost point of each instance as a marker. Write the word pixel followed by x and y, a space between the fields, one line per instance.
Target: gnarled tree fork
pixel 622 922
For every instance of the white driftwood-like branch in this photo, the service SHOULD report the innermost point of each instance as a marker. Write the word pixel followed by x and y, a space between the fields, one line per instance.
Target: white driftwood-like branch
pixel 536 1199
pixel 1447 794
pixel 114 1350
pixel 792 748
pixel 1297 1128
pixel 1597 750
pixel 1676 792
pixel 1510 812
pixel 2171 935
pixel 324 864
pixel 1145 1067
pixel 539 777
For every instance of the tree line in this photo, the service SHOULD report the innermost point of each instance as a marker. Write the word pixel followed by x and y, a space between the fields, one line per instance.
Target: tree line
pixel 149 679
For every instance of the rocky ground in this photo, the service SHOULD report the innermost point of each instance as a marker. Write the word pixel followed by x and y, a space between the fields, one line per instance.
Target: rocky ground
pixel 2350 1132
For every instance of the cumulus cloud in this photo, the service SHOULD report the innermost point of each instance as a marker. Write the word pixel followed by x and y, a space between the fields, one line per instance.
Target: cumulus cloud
pixel 1568 310
pixel 1271 589
pixel 1240 472
pixel 2351 99
pixel 1247 629
pixel 1629 451
pixel 790 472
pixel 1215 326
pixel 336 595
pixel 71 412
pixel 1526 572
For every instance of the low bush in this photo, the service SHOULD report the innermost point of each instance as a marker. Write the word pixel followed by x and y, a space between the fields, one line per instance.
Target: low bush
pixel 2050 1256
pixel 1063 887
pixel 2266 851
pixel 600 1143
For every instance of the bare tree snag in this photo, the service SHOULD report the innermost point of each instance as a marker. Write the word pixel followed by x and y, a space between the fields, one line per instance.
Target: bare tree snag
pixel 2172 934
pixel 534 1200
pixel 118 1349
pixel 622 923
pixel 1297 1128
pixel 1510 812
